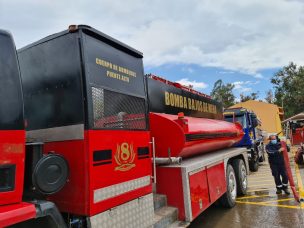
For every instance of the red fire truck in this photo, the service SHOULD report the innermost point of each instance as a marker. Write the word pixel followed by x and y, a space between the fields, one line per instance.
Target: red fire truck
pixel 80 125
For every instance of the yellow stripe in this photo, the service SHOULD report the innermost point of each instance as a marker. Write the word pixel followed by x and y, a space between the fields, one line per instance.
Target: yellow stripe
pixel 269 205
pixel 251 197
pixel 280 200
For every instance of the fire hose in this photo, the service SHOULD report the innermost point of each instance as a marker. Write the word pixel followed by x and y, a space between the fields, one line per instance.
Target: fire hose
pixel 289 173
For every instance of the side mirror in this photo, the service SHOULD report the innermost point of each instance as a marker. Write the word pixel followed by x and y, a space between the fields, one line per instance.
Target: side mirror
pixel 255 122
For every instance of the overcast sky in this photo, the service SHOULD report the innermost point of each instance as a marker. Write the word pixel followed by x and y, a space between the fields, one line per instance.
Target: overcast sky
pixel 192 41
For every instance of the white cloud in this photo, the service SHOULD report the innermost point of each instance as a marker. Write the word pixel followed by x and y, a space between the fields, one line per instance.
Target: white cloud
pixel 258 75
pixel 243 36
pixel 195 84
pixel 244 86
pixel 226 72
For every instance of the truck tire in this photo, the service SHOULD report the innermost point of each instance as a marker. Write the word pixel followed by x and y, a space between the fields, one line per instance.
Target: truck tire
pixel 262 158
pixel 241 176
pixel 228 199
pixel 254 166
pixel 254 162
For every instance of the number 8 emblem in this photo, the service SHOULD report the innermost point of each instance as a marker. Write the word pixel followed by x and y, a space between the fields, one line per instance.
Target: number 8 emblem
pixel 124 157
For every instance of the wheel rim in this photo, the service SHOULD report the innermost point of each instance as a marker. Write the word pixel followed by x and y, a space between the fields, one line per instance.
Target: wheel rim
pixel 232 185
pixel 244 177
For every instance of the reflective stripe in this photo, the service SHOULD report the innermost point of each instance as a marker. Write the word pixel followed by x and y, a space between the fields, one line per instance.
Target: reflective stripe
pixel 121 188
pixel 279 186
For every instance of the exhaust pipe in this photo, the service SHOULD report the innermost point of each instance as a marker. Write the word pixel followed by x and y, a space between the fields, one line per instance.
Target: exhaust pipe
pixel 168 161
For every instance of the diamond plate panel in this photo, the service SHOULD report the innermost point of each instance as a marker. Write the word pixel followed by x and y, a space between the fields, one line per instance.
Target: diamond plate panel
pixel 134 214
pixel 121 188
pixel 98 105
pixel 112 110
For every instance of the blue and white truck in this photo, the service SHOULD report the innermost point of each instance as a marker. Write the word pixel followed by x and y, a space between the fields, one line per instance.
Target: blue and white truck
pixel 253 137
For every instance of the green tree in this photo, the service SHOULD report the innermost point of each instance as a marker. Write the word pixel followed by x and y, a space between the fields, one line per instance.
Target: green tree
pixel 223 93
pixel 252 96
pixel 289 88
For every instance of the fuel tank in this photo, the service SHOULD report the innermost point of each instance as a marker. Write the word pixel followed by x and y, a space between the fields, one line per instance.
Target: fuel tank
pixel 180 136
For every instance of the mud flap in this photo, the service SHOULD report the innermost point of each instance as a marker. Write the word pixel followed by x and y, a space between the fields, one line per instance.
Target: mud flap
pixel 289 173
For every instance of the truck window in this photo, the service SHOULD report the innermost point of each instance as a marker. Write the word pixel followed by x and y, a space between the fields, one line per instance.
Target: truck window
pixel 241 119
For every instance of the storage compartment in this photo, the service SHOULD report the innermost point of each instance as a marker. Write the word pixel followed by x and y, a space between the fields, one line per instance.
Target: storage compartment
pixel 216 181
pixel 193 185
pixel 196 183
pixel 198 191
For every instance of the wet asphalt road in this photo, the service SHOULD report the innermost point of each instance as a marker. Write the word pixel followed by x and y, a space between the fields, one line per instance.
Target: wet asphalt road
pixel 261 207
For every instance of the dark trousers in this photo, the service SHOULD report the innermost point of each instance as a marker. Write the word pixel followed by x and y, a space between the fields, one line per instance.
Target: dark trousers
pixel 278 170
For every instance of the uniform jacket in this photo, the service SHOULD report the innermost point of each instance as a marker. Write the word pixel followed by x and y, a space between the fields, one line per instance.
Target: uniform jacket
pixel 274 156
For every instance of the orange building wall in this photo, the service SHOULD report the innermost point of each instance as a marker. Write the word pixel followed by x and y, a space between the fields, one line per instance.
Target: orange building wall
pixel 270 115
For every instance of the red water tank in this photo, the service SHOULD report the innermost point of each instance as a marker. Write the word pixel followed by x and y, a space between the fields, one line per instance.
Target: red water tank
pixel 179 136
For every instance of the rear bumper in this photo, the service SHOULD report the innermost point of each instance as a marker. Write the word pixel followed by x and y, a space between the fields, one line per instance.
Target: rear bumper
pixel 16 213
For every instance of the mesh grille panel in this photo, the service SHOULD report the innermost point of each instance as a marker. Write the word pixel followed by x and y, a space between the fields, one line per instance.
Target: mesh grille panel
pixel 114 110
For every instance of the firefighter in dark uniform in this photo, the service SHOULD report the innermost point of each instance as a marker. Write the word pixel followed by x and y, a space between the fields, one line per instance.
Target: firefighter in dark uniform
pixel 276 162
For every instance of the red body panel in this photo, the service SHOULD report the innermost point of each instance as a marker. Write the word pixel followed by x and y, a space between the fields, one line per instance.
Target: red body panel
pixel 169 183
pixel 73 197
pixel 16 213
pixel 216 181
pixel 191 136
pixel 199 192
pixel 86 176
pixel 297 137
pixel 12 153
pixel 201 187
pixel 107 175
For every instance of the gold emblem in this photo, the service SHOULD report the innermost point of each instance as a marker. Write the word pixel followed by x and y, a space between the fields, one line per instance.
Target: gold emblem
pixel 124 157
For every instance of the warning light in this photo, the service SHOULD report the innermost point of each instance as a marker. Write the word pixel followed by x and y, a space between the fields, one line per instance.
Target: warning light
pixel 73 28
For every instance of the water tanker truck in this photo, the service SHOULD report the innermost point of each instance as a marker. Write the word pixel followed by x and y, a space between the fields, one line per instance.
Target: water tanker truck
pixel 85 135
